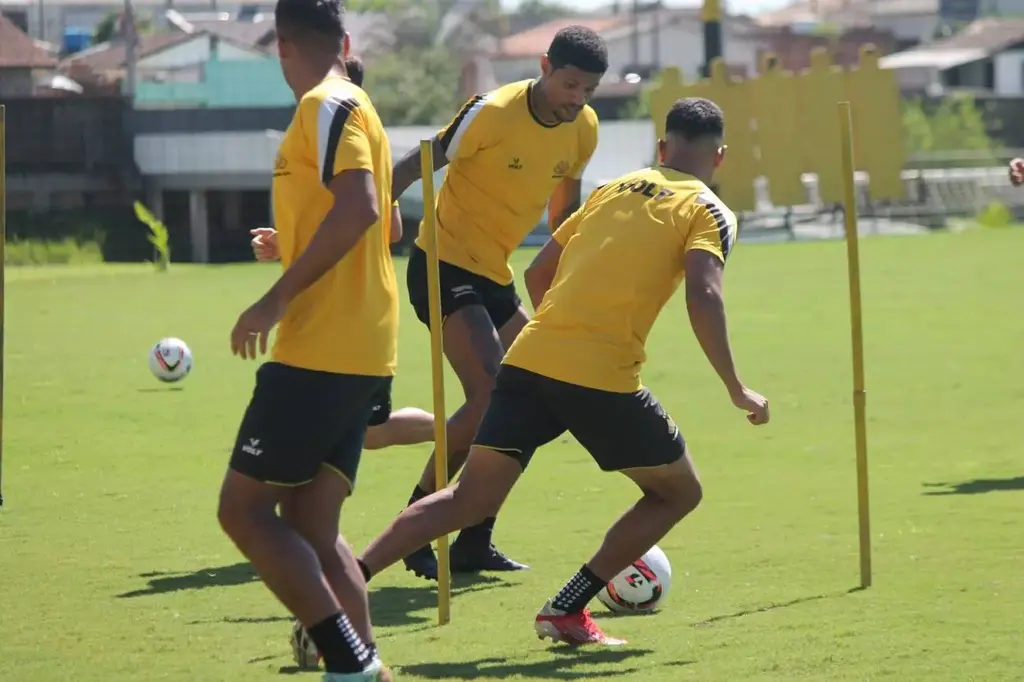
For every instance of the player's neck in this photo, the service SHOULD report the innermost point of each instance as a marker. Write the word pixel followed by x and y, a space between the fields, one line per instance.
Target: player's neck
pixel 539 104
pixel 689 166
pixel 317 74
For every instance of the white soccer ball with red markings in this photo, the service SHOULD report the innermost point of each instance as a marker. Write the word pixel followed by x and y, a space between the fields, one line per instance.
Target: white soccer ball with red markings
pixel 642 587
pixel 170 360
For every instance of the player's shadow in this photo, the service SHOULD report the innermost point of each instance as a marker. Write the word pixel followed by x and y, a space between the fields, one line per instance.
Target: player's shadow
pixel 976 486
pixel 395 606
pixel 565 663
pixel 161 582
pixel 764 608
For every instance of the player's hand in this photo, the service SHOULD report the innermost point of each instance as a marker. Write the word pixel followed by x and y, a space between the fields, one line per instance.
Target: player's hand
pixel 264 244
pixel 754 404
pixel 252 330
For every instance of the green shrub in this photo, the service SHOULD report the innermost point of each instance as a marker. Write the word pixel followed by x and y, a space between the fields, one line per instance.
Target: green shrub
pixel 996 214
pixel 51 252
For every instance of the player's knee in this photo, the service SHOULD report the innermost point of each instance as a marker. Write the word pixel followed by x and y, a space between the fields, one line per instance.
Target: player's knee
pixel 473 504
pixel 679 494
pixel 235 517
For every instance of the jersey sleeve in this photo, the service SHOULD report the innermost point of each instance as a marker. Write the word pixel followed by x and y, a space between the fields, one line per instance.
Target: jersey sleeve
pixel 568 227
pixel 588 143
pixel 467 132
pixel 709 226
pixel 337 128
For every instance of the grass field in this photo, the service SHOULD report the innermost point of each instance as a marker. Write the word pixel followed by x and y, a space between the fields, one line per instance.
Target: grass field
pixel 112 565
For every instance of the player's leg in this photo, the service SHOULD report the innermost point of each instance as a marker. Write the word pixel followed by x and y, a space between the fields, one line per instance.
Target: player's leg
pixel 407 426
pixel 630 433
pixel 315 509
pixel 282 439
pixel 474 351
pixel 474 550
pixel 517 422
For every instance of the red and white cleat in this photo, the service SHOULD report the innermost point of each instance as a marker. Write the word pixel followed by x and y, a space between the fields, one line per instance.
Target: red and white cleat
pixel 571 628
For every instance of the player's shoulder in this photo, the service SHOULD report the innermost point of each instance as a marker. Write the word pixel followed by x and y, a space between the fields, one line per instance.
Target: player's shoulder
pixel 707 198
pixel 588 118
pixel 333 93
pixel 508 95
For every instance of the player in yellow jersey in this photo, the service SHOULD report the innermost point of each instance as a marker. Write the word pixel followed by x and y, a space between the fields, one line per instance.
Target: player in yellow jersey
pixel 386 427
pixel 509 153
pixel 598 287
pixel 336 303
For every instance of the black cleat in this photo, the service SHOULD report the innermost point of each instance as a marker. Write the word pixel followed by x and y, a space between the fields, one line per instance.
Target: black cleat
pixel 467 558
pixel 422 563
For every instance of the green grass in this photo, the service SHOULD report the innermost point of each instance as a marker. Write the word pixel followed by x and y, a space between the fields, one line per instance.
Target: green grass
pixel 112 566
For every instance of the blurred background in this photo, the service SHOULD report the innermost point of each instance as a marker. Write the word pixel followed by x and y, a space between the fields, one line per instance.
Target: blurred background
pixel 180 103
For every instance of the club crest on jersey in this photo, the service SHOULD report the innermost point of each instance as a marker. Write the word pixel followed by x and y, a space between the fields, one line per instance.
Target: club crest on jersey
pixel 280 165
pixel 561 170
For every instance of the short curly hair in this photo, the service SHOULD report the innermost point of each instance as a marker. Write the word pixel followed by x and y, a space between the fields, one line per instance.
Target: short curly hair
pixel 695 118
pixel 319 24
pixel 581 47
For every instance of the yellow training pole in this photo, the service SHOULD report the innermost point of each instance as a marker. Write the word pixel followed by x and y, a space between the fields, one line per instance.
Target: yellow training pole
pixel 3 275
pixel 429 227
pixel 857 330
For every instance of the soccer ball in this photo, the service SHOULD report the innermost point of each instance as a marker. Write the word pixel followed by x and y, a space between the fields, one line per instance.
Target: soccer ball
pixel 170 360
pixel 642 587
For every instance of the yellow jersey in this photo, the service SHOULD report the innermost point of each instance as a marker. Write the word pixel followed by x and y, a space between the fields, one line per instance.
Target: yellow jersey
pixel 622 261
pixel 504 164
pixel 346 322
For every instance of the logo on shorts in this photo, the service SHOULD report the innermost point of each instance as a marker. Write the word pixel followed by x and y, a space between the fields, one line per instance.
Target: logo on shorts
pixel 252 447
pixel 463 290
pixel 561 170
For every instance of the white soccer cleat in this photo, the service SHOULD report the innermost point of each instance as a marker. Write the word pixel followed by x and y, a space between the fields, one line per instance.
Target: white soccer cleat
pixel 377 672
pixel 304 650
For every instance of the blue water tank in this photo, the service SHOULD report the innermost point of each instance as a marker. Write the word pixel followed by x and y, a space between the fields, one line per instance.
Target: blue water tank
pixel 76 39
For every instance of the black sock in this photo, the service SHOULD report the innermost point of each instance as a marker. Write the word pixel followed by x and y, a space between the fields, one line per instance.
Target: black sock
pixel 341 647
pixel 480 534
pixel 578 592
pixel 418 494
pixel 364 569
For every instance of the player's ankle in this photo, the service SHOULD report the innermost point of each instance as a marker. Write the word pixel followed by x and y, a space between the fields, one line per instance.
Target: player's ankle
pixel 343 651
pixel 479 534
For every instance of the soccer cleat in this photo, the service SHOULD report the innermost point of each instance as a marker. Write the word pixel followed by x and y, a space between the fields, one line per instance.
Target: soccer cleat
pixel 467 558
pixel 422 563
pixel 304 650
pixel 377 672
pixel 571 628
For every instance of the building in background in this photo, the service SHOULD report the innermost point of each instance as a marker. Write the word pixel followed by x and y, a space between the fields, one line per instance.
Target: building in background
pixel 25 67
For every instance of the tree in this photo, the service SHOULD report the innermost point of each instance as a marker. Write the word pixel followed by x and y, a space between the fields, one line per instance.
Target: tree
pixel 955 126
pixel 110 25
pixel 414 86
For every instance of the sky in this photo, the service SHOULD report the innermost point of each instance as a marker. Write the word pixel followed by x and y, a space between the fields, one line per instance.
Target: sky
pixel 749 6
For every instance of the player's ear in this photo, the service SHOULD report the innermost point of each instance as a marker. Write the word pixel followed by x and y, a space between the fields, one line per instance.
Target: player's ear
pixel 346 45
pixel 545 65
pixel 720 155
pixel 662 150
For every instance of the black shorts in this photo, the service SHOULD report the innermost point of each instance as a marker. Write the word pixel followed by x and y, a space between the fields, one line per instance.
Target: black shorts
pixel 299 420
pixel 619 430
pixel 381 410
pixel 459 288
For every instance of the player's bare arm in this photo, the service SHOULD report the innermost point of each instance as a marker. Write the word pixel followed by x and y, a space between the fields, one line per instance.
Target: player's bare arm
pixel 1017 172
pixel 706 308
pixel 408 169
pixel 541 272
pixel 564 201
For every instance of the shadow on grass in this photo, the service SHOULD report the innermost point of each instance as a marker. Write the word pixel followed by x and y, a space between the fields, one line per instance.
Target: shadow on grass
pixel 395 606
pixel 162 582
pixel 764 608
pixel 562 665
pixel 977 486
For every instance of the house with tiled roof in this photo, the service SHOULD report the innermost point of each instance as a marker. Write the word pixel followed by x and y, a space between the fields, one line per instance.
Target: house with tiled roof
pixel 23 63
pixel 640 44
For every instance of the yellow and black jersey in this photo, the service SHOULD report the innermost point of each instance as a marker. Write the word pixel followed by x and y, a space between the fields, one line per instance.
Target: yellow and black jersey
pixel 504 164
pixel 623 259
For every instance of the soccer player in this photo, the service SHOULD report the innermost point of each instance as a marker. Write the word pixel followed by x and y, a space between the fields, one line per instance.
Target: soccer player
pixel 509 152
pixel 385 428
pixel 301 437
pixel 598 286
